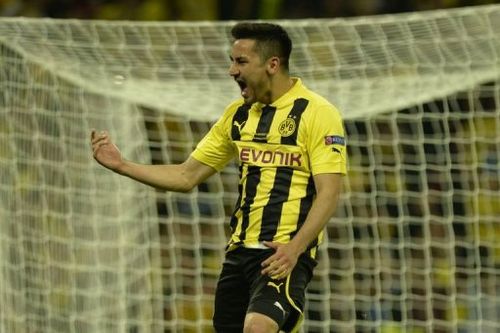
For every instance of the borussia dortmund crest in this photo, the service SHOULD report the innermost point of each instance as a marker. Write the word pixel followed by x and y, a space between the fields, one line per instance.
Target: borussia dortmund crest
pixel 287 127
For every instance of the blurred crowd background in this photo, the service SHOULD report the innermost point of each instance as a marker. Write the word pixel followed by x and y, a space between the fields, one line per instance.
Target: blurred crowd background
pixel 219 9
pixel 433 219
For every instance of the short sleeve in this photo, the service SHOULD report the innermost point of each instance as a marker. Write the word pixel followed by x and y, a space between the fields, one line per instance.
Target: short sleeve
pixel 326 141
pixel 216 148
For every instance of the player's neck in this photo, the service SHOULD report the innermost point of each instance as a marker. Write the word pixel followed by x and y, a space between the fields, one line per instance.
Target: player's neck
pixel 280 85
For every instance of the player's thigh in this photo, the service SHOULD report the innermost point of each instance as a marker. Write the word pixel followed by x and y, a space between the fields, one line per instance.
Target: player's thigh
pixel 231 299
pixel 257 322
pixel 283 300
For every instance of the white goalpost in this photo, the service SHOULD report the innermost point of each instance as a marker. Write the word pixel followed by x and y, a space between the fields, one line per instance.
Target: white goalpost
pixel 414 244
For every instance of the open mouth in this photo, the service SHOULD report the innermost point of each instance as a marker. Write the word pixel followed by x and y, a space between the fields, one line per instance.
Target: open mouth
pixel 243 87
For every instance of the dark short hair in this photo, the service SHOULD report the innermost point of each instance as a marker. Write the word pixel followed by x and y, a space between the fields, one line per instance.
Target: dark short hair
pixel 271 39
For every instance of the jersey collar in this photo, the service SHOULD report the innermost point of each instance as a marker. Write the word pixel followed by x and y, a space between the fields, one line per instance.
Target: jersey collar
pixel 288 97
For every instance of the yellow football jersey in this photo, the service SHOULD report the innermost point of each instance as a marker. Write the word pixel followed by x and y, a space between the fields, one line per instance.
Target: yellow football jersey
pixel 280 147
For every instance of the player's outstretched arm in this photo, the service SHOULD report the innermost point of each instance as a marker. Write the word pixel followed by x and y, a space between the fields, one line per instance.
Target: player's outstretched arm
pixel 105 151
pixel 175 177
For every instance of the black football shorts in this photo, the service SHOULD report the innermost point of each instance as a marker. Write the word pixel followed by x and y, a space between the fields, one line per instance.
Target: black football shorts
pixel 242 288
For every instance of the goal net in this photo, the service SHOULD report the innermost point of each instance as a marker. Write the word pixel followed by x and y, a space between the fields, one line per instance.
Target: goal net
pixel 413 246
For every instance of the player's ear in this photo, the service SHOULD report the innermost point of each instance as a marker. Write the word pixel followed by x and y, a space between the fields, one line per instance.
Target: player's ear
pixel 273 65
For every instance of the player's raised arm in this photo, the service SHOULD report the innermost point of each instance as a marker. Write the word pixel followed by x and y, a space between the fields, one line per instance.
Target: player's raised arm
pixel 105 152
pixel 175 177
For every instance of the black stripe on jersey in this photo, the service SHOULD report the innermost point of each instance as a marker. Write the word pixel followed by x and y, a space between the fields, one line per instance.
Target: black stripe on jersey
pixel 234 219
pixel 253 180
pixel 271 214
pixel 239 119
pixel 305 205
pixel 299 106
pixel 266 118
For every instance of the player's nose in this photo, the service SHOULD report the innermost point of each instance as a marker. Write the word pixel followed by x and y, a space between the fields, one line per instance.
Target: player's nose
pixel 233 70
